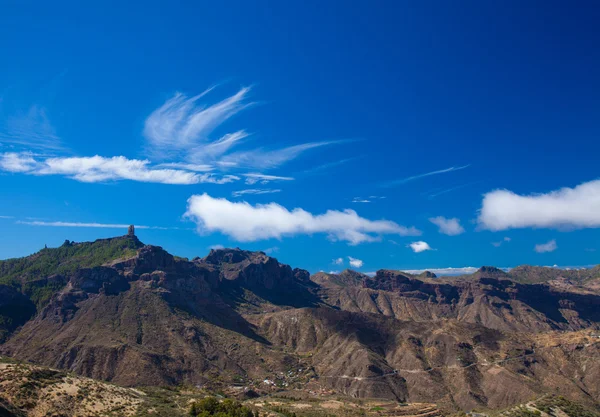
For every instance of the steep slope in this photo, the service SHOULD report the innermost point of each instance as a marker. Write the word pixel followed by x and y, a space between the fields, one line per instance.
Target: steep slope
pixel 495 303
pixel 153 320
pixel 133 314
pixel 447 362
pixel 527 274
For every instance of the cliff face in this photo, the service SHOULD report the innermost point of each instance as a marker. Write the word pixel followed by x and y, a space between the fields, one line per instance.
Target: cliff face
pixel 139 316
pixel 500 304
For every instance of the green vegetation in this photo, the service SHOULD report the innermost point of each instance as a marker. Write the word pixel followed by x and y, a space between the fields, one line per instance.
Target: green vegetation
pixel 29 275
pixel 523 412
pixel 210 406
pixel 550 404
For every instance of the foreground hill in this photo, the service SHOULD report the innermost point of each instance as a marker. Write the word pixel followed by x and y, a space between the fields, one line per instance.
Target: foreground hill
pixel 121 311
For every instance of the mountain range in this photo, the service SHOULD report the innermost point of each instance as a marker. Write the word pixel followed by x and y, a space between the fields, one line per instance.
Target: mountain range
pixel 132 314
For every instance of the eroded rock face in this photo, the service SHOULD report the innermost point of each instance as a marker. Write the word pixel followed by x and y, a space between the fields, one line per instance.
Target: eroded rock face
pixel 149 318
pixel 253 269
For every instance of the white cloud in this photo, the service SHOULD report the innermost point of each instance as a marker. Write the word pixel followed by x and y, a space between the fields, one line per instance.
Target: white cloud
pixel 427 174
pixel 101 169
pixel 182 123
pixel 499 243
pixel 245 222
pixel 271 251
pixel 253 178
pixel 546 247
pixel 187 167
pixel 32 129
pixel 216 247
pixel 577 207
pixel 254 191
pixel 419 246
pixel 93 225
pixel 320 168
pixel 267 159
pixel 17 162
pixel 6 217
pixel 182 127
pixel 355 263
pixel 360 200
pixel 450 227
pixel 338 261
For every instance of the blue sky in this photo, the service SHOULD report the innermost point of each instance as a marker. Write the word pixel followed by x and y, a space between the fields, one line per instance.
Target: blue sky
pixel 386 134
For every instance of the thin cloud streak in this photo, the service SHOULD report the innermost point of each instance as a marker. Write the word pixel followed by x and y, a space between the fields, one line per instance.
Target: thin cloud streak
pixel 254 191
pixel 253 178
pixel 449 190
pixel 328 165
pixel 93 225
pixel 32 129
pixel 427 174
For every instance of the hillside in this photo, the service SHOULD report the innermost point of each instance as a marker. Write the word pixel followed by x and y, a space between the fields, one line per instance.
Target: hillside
pixel 121 311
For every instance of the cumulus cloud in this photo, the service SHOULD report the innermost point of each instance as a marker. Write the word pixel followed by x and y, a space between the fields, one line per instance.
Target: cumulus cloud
pixel 101 169
pixel 245 222
pixel 254 191
pixel 546 247
pixel 577 207
pixel 216 247
pixel 17 162
pixel 419 246
pixel 450 227
pixel 338 261
pixel 355 263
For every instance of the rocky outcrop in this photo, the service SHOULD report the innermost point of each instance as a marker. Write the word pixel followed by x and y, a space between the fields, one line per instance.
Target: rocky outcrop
pixel 141 316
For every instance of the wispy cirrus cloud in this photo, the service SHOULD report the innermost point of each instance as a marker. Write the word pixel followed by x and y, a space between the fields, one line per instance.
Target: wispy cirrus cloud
pixel 255 191
pixel 92 225
pixel 436 193
pixel 245 222
pixel 31 129
pixel 262 158
pixel 182 123
pixel 427 174
pixel 182 129
pixel 101 169
pixel 328 165
pixel 180 146
pixel 253 178
pixel 500 242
